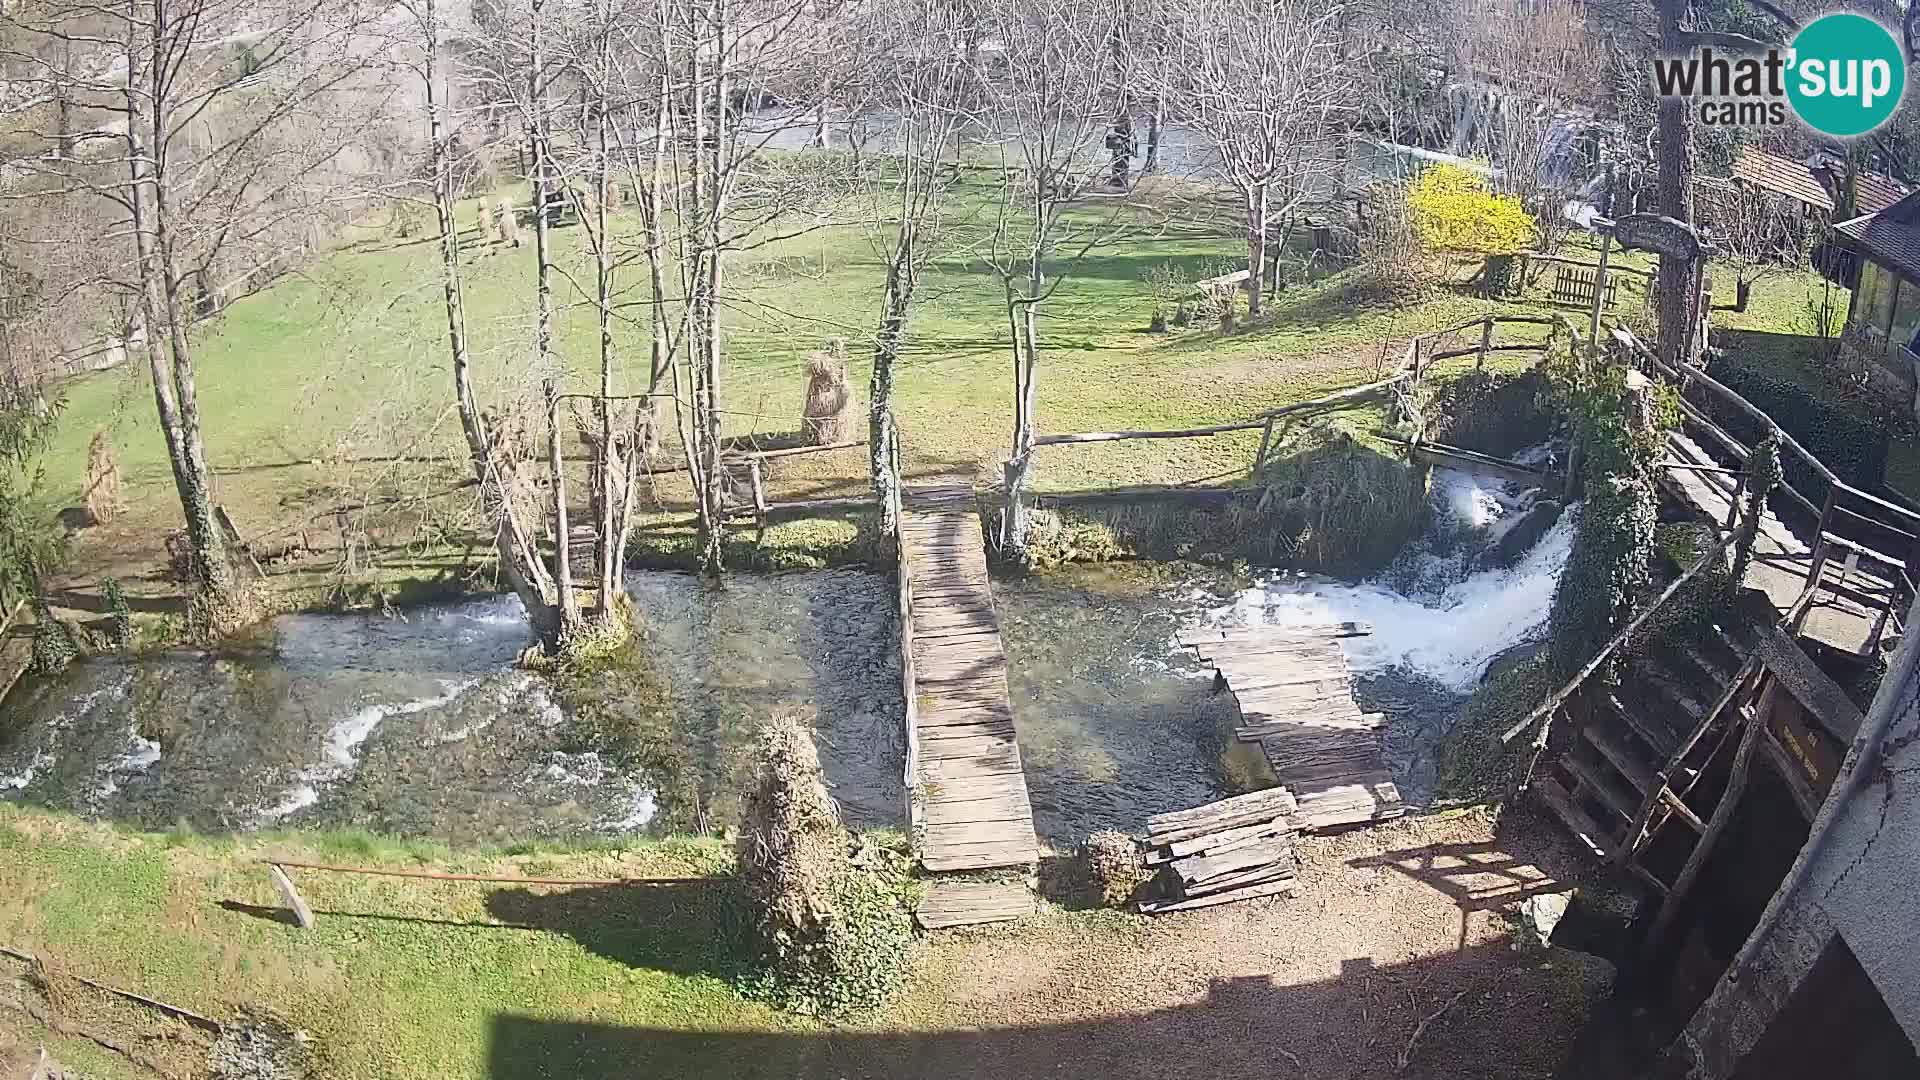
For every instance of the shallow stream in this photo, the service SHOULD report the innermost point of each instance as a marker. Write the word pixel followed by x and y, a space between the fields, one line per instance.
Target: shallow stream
pixel 422 726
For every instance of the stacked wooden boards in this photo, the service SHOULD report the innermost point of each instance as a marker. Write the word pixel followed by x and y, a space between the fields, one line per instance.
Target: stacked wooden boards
pixel 972 795
pixel 1296 701
pixel 1235 849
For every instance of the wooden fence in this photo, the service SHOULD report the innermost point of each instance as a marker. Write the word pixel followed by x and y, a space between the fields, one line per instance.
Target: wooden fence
pixel 1399 384
pixel 1874 541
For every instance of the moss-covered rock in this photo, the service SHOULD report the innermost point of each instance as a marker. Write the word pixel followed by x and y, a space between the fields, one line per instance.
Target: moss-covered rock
pixel 1338 504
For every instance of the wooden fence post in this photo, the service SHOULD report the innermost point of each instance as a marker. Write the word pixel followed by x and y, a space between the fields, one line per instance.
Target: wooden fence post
pixel 291 897
pixel 1266 442
pixel 1486 343
pixel 1599 292
pixel 759 491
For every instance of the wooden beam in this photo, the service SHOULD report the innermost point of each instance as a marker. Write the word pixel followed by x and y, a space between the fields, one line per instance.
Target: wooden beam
pixel 1810 686
pixel 1722 815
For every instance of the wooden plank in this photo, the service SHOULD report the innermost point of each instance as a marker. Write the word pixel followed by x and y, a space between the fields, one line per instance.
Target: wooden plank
pixel 1619 756
pixel 1254 800
pixel 1228 839
pixel 1602 788
pixel 1809 685
pixel 1280 869
pixel 961 903
pixel 1370 797
pixel 1201 868
pixel 1207 635
pixel 991 831
pixel 1285 887
pixel 1267 728
pixel 1556 799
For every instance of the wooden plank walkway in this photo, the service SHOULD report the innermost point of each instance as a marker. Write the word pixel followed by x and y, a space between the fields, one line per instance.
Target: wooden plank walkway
pixel 1296 701
pixel 974 813
pixel 965 903
pixel 1782 562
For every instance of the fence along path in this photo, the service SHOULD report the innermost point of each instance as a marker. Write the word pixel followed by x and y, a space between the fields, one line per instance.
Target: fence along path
pixel 972 801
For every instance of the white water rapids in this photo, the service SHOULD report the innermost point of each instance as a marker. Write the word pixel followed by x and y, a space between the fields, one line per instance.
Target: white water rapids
pixel 1433 612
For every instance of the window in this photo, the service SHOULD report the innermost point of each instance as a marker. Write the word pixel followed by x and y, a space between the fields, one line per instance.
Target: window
pixel 1873 307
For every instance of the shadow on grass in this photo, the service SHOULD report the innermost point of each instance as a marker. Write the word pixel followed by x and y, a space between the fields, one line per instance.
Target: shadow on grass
pixel 1448 1017
pixel 688 927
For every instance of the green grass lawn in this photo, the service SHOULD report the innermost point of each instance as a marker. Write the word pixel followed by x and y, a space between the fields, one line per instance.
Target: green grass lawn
pixel 346 361
pixel 399 978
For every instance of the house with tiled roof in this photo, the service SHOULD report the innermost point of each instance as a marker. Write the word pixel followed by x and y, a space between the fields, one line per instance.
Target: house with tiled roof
pixel 1883 317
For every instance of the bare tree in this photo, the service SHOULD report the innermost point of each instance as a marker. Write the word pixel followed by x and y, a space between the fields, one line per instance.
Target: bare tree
pixel 1264 82
pixel 210 131
pixel 926 82
pixel 494 461
pixel 1756 230
pixel 1526 78
pixel 1046 108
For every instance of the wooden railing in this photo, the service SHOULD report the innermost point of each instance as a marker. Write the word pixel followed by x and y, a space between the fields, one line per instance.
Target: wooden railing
pixel 1851 527
pixel 1415 363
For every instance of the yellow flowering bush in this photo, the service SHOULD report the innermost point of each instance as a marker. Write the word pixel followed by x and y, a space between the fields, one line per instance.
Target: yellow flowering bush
pixel 1452 210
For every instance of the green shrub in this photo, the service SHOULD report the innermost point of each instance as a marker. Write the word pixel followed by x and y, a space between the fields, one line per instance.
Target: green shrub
pixel 1621 424
pixel 56 645
pixel 1475 766
pixel 1855 449
pixel 119 614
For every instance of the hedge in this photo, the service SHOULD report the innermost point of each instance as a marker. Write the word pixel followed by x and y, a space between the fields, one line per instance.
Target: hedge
pixel 1854 448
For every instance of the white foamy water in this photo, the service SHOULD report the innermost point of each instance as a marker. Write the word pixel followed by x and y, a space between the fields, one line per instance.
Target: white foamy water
pixel 1443 621
pixel 18 781
pixel 340 752
pixel 140 755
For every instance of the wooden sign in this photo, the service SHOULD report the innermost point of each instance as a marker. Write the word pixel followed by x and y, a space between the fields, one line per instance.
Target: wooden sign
pixel 1663 235
pixel 1815 754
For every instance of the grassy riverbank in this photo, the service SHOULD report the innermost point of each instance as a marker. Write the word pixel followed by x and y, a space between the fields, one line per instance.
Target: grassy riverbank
pixel 421 980
pixel 323 390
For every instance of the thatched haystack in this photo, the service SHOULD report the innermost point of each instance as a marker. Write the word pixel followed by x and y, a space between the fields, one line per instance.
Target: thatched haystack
pixel 791 845
pixel 103 478
pixel 827 415
pixel 832 931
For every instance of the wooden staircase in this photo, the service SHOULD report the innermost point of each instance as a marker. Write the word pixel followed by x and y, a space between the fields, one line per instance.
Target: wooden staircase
pixel 1637 748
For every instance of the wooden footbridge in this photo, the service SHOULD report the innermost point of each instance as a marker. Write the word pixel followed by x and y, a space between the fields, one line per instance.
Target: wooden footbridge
pixel 1296 701
pixel 969 794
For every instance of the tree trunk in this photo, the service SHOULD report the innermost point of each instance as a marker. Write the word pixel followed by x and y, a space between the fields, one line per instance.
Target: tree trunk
pixel 1257 206
pixel 172 364
pixel 1674 140
pixel 1154 120
pixel 519 560
pixel 543 173
pixel 886 353
pixel 609 552
pixel 1026 353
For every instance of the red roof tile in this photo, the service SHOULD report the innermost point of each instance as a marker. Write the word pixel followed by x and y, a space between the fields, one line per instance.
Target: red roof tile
pixel 1781 176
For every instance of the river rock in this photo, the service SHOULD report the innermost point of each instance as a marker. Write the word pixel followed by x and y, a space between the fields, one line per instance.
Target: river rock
pixel 1522 534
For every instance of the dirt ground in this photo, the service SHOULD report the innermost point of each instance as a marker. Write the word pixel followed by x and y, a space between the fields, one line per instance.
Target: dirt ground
pixel 1396 958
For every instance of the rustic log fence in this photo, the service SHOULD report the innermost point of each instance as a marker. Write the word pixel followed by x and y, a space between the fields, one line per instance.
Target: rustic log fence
pixel 1397 385
pixel 1851 526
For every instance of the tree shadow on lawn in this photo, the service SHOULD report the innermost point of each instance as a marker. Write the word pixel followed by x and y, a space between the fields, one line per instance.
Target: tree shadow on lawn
pixel 688 927
pixel 1487 1012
